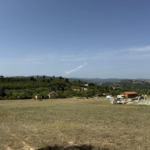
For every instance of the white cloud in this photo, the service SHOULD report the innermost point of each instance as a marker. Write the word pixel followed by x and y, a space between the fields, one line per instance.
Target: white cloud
pixel 122 54
pixel 132 49
pixel 139 49
pixel 81 66
pixel 128 53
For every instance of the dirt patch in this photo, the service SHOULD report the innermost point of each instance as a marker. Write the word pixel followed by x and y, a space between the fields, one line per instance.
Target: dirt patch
pixel 27 147
pixel 8 148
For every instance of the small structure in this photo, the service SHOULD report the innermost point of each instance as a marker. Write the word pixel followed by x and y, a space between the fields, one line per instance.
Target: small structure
pixel 116 87
pixel 53 94
pixel 84 89
pixel 86 84
pixel 76 89
pixel 38 96
pixel 129 94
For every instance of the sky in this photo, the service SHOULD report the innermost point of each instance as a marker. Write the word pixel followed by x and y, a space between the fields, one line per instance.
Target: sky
pixel 75 38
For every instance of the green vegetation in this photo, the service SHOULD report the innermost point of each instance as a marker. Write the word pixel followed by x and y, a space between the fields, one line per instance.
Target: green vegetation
pixel 141 87
pixel 27 88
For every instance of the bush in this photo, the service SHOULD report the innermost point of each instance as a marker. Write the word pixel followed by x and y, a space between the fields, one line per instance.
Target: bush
pixel 53 97
pixel 11 97
pixel 45 97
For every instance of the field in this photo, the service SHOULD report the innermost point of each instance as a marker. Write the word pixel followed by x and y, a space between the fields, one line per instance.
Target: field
pixel 33 124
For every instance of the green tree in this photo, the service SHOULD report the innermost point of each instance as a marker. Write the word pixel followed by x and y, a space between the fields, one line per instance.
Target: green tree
pixel 2 93
pixel 79 81
pixel 32 78
pixel 1 76
pixel 10 93
pixel 66 80
pixel 60 77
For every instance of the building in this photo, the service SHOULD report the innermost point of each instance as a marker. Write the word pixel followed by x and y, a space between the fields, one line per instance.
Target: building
pixel 116 87
pixel 84 89
pixel 86 84
pixel 38 96
pixel 129 94
pixel 53 94
pixel 76 89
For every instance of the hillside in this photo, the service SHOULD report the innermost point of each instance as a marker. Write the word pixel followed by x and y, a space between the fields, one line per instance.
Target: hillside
pixel 89 80
pixel 132 84
pixel 27 88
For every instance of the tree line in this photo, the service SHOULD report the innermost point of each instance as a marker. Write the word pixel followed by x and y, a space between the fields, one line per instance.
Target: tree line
pixel 27 88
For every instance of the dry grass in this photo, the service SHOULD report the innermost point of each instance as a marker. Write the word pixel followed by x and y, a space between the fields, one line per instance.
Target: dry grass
pixel 32 124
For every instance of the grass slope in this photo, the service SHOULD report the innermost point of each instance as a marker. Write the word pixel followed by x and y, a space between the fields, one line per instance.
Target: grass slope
pixel 32 124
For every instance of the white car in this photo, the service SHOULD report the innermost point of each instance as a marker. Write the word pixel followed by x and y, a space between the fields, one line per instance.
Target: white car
pixel 120 102
pixel 120 96
pixel 109 96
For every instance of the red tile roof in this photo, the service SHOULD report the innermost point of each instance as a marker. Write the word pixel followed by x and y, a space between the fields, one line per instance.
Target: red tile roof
pixel 130 92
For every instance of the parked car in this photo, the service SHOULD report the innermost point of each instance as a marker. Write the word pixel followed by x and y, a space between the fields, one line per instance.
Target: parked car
pixel 120 96
pixel 109 96
pixel 121 102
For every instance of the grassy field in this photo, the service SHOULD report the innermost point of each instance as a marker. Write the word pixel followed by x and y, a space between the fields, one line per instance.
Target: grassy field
pixel 32 124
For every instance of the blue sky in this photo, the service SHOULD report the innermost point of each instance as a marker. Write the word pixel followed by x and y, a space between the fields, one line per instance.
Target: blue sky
pixel 75 38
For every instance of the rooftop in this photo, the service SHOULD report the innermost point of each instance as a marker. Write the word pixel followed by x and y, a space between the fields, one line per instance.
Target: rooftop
pixel 130 92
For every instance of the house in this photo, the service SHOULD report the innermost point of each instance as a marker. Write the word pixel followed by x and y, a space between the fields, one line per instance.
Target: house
pixel 129 94
pixel 38 96
pixel 116 87
pixel 84 89
pixel 76 89
pixel 53 94
pixel 86 84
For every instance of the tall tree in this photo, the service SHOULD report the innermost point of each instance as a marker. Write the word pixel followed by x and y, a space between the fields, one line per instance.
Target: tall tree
pixel 66 80
pixel 2 91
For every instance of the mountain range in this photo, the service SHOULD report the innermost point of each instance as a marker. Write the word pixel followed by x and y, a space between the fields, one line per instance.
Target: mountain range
pixel 89 80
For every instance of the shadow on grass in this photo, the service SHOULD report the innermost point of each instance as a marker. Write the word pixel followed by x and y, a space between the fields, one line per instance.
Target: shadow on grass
pixel 81 147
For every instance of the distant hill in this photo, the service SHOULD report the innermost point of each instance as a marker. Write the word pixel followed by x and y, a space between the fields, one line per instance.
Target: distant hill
pixel 134 84
pixel 95 80
pixel 98 80
pixel 89 80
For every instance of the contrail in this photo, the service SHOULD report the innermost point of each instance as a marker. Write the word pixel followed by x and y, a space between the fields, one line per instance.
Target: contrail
pixel 81 66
